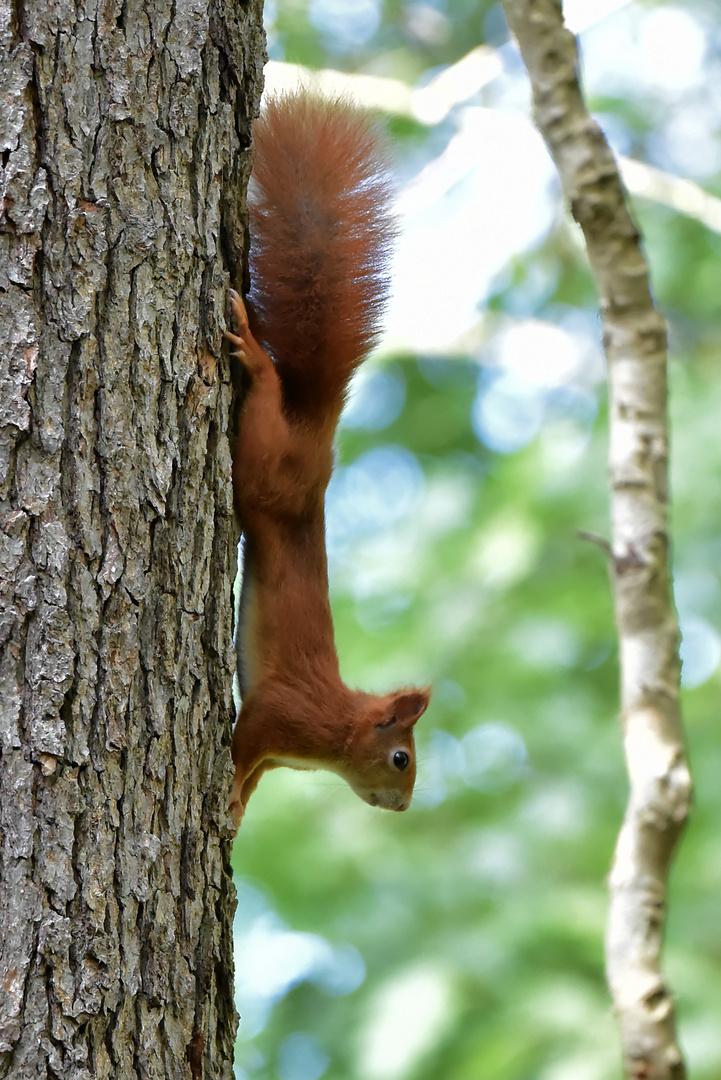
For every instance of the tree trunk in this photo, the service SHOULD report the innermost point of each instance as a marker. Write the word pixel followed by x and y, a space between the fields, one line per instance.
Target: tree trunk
pixel 634 337
pixel 124 130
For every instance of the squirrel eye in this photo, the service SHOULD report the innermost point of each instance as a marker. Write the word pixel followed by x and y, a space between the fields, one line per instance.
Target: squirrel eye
pixel 400 759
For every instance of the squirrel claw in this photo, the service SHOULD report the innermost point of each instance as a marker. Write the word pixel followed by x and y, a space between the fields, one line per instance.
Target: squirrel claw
pixel 233 339
pixel 237 308
pixel 238 352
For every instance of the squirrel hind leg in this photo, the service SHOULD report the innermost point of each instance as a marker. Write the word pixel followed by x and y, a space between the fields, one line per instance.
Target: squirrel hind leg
pixel 245 347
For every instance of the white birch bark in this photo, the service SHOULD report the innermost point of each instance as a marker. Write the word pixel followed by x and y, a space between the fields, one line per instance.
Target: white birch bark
pixel 634 336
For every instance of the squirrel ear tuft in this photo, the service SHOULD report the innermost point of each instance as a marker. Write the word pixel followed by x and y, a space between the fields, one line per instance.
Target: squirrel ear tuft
pixel 408 705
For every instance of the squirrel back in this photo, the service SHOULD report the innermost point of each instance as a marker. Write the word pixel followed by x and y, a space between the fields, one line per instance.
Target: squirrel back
pixel 321 233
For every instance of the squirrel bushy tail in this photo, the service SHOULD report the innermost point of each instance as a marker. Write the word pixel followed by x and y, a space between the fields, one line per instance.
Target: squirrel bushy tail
pixel 321 234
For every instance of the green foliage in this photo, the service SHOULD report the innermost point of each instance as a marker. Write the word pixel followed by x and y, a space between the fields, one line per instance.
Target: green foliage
pixel 468 933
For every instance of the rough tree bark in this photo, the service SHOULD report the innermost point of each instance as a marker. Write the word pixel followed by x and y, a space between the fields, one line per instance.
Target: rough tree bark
pixel 635 343
pixel 124 130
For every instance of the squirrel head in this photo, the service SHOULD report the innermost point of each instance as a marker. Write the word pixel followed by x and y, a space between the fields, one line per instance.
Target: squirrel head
pixel 382 757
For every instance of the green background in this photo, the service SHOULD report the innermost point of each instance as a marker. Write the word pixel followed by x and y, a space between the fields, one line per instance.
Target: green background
pixel 464 939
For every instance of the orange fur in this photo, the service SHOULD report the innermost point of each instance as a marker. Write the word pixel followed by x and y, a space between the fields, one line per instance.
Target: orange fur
pixel 320 233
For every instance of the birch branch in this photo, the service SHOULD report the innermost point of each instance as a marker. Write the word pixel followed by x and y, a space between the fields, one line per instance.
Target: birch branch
pixel 635 343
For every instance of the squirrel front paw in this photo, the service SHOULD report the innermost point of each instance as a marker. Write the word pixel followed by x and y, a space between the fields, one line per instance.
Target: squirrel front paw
pixel 236 806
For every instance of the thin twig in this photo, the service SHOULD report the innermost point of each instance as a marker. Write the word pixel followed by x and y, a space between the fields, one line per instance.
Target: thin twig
pixel 635 342
pixel 599 541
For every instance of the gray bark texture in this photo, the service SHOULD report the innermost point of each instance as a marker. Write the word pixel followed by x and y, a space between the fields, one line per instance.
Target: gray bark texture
pixel 124 135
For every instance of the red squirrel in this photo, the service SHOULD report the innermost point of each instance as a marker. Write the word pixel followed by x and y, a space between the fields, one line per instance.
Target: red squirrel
pixel 320 234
